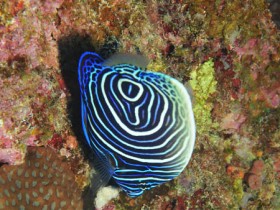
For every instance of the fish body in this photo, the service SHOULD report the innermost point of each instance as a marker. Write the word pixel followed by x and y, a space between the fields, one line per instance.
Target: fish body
pixel 140 123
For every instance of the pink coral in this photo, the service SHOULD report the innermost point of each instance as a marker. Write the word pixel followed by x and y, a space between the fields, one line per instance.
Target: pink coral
pixel 254 177
pixel 56 141
pixel 256 48
pixel 271 95
pixel 71 142
pixel 254 181
pixel 11 156
pixel 108 207
pixel 232 122
pixel 26 117
pixel 47 6
pixel 6 140
pixel 247 49
pixel 31 40
pixel 257 167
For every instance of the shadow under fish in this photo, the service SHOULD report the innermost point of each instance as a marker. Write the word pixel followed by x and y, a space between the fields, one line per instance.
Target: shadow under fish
pixel 140 124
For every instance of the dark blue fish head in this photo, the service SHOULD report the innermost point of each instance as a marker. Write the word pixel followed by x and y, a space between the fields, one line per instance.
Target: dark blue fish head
pixel 141 123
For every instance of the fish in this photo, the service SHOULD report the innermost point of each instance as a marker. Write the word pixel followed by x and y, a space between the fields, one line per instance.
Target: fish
pixel 139 123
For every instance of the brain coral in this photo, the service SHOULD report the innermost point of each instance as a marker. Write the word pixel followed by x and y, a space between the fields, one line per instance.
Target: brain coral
pixel 43 181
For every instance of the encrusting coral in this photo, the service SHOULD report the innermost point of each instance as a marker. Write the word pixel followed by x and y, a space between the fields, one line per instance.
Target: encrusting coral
pixel 228 51
pixel 44 181
pixel 204 84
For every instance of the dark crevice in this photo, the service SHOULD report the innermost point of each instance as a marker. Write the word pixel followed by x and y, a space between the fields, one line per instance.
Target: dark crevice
pixel 70 49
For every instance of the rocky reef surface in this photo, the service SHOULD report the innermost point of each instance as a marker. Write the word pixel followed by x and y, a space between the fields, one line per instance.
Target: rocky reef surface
pixel 228 52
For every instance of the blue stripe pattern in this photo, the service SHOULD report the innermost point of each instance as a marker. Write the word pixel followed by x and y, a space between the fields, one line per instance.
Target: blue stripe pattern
pixel 141 121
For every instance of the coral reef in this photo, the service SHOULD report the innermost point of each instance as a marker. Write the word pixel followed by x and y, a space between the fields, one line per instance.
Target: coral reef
pixel 254 177
pixel 203 84
pixel 43 181
pixel 228 52
pixel 30 114
pixel 104 195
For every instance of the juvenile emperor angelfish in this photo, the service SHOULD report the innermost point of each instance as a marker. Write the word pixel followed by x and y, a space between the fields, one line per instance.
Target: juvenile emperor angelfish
pixel 140 123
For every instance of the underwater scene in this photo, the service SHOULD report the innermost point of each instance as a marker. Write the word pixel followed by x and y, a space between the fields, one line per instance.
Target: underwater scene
pixel 139 104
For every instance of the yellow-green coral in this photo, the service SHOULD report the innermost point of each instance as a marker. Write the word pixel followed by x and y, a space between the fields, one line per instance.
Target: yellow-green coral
pixel 238 189
pixel 157 66
pixel 203 84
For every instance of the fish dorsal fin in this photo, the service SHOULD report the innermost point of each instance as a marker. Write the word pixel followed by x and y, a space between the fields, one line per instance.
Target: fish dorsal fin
pixel 125 58
pixel 87 64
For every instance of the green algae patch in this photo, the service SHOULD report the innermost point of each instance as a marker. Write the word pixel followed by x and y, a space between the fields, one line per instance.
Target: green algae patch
pixel 203 84
pixel 238 190
pixel 157 66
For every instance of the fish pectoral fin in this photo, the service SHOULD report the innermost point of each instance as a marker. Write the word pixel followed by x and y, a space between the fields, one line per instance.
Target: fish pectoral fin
pixel 103 171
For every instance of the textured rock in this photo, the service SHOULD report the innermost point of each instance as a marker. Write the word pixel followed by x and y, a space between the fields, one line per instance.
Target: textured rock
pixel 43 181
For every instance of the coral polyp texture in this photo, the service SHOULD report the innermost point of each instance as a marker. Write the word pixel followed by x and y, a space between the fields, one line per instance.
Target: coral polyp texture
pixel 44 181
pixel 227 52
